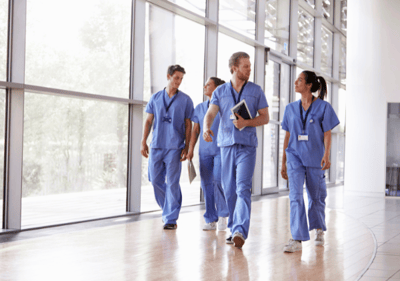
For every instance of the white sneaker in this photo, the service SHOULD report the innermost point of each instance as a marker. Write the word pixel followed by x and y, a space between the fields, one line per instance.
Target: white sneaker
pixel 210 226
pixel 222 223
pixel 292 246
pixel 238 239
pixel 319 237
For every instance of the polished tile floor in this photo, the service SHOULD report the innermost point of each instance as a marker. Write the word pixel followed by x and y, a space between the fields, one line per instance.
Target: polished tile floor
pixel 362 241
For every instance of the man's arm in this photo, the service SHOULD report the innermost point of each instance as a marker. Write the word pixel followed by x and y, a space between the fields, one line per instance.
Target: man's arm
pixel 208 121
pixel 325 162
pixel 193 140
pixel 188 133
pixel 144 149
pixel 261 119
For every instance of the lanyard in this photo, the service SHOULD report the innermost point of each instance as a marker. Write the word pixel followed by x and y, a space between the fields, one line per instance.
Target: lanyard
pixel 240 93
pixel 173 98
pixel 208 104
pixel 307 112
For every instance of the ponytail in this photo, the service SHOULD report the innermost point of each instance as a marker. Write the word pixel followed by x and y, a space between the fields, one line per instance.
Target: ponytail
pixel 217 81
pixel 318 83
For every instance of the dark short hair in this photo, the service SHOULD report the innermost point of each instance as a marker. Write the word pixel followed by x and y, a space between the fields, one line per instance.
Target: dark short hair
pixel 234 60
pixel 176 67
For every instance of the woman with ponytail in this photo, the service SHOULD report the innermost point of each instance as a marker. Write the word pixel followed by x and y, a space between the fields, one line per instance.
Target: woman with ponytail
pixel 210 163
pixel 308 123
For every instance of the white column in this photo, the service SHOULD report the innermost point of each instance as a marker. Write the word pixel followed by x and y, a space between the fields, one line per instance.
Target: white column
pixel 136 111
pixel 372 75
pixel 14 130
pixel 211 47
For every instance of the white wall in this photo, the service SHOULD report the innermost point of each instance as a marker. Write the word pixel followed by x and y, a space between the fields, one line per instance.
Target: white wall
pixel 373 70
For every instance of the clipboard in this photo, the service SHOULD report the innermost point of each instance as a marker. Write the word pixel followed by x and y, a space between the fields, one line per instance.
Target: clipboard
pixel 242 109
pixel 191 171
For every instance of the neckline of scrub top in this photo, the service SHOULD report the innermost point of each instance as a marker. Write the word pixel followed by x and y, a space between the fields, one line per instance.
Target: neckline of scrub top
pixel 173 99
pixel 304 120
pixel 240 94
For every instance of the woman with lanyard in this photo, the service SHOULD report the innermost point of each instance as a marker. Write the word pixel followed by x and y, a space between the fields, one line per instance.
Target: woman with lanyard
pixel 308 124
pixel 210 163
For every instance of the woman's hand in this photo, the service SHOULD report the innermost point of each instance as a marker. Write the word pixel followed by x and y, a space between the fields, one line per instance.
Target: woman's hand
pixel 325 163
pixel 284 172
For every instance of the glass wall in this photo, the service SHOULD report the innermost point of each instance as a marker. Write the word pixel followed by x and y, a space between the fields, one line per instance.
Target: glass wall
pixel 80 45
pixel 343 14
pixel 171 39
pixel 305 38
pixel 228 46
pixel 342 60
pixel 277 17
pixel 326 51
pixel 196 6
pixel 238 15
pixel 75 158
pixel 75 151
pixel 3 38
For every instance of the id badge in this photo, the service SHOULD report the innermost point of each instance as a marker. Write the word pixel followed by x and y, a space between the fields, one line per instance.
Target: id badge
pixel 167 119
pixel 232 117
pixel 303 138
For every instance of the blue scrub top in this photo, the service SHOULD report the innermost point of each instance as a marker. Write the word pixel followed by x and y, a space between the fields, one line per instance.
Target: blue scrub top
pixel 169 135
pixel 228 134
pixel 206 148
pixel 323 119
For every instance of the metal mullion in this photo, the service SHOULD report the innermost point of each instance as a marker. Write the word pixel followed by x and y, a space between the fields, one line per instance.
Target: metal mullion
pixel 314 12
pixel 14 128
pixel 66 93
pixel 317 37
pixel 331 27
pixel 234 34
pixel 134 174
pixel 178 10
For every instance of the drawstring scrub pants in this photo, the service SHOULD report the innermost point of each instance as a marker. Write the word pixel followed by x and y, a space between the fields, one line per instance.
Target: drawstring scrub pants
pixel 316 190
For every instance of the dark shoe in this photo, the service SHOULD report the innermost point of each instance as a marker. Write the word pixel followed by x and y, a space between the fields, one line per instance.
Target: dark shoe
pixel 170 226
pixel 229 240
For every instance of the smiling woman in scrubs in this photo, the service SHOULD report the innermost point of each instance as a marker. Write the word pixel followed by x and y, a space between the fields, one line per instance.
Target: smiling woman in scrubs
pixel 308 123
pixel 210 163
pixel 238 147
pixel 168 112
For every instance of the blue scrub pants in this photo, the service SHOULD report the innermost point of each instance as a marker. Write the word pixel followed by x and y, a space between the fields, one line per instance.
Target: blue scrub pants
pixel 238 163
pixel 316 190
pixel 210 173
pixel 164 174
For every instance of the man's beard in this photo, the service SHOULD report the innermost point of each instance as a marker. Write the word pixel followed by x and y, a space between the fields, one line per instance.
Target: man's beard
pixel 242 76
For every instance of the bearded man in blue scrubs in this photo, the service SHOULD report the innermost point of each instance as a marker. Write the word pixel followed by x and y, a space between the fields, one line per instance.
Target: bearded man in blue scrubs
pixel 169 111
pixel 238 147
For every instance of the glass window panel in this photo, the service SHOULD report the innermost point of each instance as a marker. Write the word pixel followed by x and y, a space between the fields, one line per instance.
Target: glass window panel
pixel 305 38
pixel 75 159
pixel 277 16
pixel 3 38
pixel 342 60
pixel 311 3
pixel 2 125
pixel 196 6
pixel 340 157
pixel 326 51
pixel 228 46
pixel 327 10
pixel 343 15
pixel 272 85
pixel 171 39
pixel 79 45
pixel 342 110
pixel 270 157
pixel 239 15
